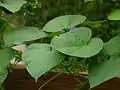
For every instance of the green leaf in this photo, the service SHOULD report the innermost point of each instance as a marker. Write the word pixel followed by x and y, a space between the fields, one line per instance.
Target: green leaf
pixel 6 55
pixel 62 22
pixel 112 46
pixel 20 35
pixel 100 72
pixel 12 5
pixel 40 58
pixel 77 43
pixel 114 15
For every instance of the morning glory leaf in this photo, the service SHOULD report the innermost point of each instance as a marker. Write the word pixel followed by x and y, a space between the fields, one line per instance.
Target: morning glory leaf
pixel 62 22
pixel 20 35
pixel 6 55
pixel 111 48
pixel 12 5
pixel 107 69
pixel 77 43
pixel 40 58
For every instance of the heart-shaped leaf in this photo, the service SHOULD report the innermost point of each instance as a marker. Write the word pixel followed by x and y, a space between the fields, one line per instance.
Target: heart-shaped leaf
pixel 6 55
pixel 114 15
pixel 12 5
pixel 20 35
pixel 77 43
pixel 62 22
pixel 40 58
pixel 100 72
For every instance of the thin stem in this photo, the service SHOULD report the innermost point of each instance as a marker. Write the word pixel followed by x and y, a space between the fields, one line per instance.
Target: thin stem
pixel 72 75
pixel 86 82
pixel 12 66
pixel 83 66
pixel 81 86
pixel 50 80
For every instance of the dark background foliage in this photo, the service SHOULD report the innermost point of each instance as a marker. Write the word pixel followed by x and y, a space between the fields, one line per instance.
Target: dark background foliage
pixel 96 12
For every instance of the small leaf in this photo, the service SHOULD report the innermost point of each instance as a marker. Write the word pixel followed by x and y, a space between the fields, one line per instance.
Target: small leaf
pixel 77 43
pixel 112 46
pixel 40 58
pixel 114 15
pixel 6 55
pixel 12 5
pixel 62 22
pixel 20 35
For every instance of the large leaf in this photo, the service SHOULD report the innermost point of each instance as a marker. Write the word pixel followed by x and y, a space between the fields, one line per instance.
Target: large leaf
pixel 20 35
pixel 40 58
pixel 77 43
pixel 62 22
pixel 5 56
pixel 100 72
pixel 114 15
pixel 12 5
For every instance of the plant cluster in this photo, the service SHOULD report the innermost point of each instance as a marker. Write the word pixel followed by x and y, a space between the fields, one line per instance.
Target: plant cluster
pixel 66 40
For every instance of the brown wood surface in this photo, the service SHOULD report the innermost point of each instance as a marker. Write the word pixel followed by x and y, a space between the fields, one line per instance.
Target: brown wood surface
pixel 21 80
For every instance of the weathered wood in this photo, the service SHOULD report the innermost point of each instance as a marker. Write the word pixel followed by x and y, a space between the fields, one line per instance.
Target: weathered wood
pixel 20 79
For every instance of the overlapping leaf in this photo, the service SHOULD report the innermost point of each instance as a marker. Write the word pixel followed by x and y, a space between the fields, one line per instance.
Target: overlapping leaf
pixel 5 56
pixel 78 43
pixel 12 5
pixel 20 35
pixel 62 22
pixel 40 58
pixel 100 72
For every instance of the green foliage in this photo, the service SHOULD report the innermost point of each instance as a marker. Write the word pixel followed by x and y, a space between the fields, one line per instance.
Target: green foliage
pixel 77 43
pixel 63 22
pixel 6 55
pixel 107 71
pixel 20 35
pixel 40 58
pixel 96 21
pixel 12 5
pixel 115 15
pixel 111 48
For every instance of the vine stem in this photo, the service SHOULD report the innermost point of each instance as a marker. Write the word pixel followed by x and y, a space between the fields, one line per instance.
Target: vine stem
pixel 79 81
pixel 50 80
